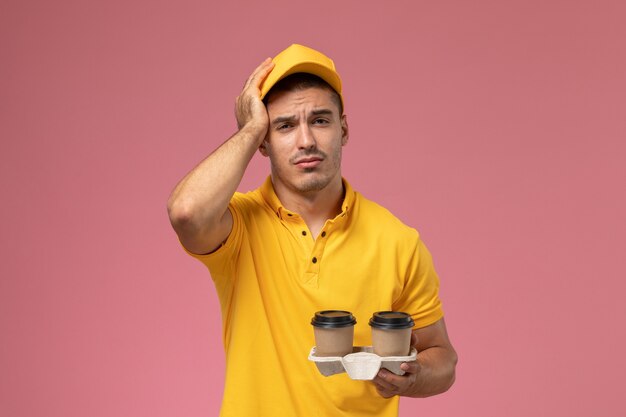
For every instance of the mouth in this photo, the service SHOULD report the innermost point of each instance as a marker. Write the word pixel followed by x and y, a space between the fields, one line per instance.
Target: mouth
pixel 309 162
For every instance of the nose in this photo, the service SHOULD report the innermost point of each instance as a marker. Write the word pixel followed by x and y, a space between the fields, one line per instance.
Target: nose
pixel 306 139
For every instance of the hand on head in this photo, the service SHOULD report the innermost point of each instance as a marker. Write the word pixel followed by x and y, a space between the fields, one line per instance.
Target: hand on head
pixel 249 108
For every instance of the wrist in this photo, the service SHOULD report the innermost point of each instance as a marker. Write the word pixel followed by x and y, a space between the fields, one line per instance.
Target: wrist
pixel 255 131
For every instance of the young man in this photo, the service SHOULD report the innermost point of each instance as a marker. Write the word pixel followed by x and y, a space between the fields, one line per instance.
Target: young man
pixel 304 241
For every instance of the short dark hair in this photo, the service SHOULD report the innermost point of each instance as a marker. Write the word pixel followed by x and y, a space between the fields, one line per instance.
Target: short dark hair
pixel 302 81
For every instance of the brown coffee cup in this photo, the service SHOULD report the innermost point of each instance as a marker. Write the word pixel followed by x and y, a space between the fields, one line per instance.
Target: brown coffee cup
pixel 391 333
pixel 334 332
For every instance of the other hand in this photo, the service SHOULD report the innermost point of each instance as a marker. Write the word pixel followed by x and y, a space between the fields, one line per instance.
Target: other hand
pixel 389 384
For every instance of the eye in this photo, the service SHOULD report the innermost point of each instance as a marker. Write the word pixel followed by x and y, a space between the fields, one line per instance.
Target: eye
pixel 320 121
pixel 283 126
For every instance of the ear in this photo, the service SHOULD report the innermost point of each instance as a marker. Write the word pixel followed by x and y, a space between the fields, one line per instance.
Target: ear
pixel 344 130
pixel 263 147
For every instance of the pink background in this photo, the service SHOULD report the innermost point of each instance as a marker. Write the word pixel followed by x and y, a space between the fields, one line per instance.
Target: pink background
pixel 497 128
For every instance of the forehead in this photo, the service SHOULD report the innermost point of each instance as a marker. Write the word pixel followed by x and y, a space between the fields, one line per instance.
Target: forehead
pixel 282 102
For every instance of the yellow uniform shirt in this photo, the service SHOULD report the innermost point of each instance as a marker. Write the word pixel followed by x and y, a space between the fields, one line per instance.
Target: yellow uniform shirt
pixel 271 277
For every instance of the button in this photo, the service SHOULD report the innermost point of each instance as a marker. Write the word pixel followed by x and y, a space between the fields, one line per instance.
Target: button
pixel 323 234
pixel 304 233
pixel 314 260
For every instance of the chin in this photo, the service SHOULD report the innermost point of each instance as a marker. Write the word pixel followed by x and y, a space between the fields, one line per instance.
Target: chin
pixel 312 184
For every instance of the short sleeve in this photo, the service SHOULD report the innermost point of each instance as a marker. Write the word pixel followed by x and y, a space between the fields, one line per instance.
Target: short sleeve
pixel 420 295
pixel 223 260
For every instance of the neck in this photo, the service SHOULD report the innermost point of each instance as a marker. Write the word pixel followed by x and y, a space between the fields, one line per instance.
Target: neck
pixel 315 207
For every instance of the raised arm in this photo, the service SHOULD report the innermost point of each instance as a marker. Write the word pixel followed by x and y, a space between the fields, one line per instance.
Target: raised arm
pixel 198 206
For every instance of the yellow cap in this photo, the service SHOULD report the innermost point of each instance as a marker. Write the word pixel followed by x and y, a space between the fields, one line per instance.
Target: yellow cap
pixel 299 58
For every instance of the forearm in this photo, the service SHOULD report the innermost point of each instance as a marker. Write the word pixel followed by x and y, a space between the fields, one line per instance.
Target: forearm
pixel 198 205
pixel 201 198
pixel 436 372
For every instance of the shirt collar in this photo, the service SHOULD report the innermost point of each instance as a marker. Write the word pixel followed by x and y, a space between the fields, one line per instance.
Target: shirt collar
pixel 270 197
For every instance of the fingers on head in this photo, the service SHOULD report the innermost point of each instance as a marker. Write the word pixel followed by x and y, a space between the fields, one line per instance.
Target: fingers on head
pixel 260 73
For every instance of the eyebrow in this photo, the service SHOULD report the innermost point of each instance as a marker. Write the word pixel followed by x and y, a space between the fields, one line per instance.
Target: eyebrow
pixel 291 117
pixel 282 119
pixel 321 112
